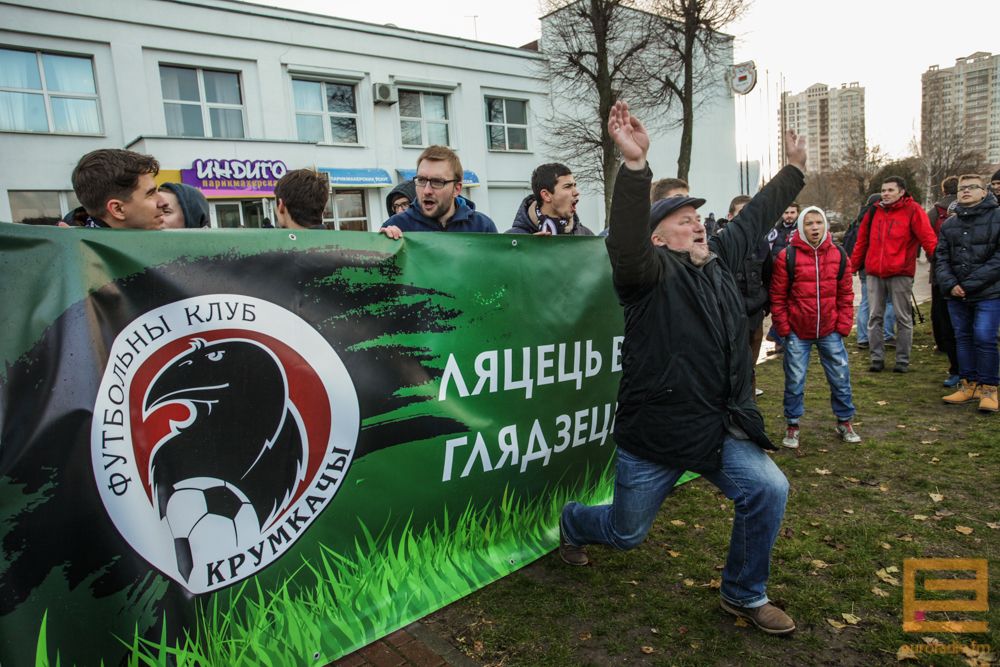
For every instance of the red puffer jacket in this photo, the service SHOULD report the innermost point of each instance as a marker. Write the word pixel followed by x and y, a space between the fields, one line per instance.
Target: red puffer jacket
pixel 888 245
pixel 818 305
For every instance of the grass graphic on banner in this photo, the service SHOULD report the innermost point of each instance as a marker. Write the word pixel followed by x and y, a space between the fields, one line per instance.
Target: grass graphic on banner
pixel 317 614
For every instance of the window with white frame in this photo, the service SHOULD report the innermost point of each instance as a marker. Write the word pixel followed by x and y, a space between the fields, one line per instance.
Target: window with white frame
pixel 506 124
pixel 423 118
pixel 27 204
pixel 202 102
pixel 345 210
pixel 48 92
pixel 325 111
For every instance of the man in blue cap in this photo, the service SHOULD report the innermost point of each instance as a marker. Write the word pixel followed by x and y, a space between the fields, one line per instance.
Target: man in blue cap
pixel 685 401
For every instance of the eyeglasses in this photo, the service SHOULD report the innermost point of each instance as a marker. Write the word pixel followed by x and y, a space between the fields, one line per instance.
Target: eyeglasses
pixel 400 207
pixel 969 188
pixel 435 183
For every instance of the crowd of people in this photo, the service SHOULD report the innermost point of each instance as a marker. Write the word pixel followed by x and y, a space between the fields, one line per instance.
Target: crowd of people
pixel 696 294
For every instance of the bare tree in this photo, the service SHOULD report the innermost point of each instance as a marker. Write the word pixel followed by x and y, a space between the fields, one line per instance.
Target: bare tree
pixel 658 54
pixel 595 50
pixel 946 151
pixel 858 170
pixel 691 35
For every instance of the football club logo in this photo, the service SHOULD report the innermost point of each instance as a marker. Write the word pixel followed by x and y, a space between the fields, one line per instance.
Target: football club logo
pixel 224 425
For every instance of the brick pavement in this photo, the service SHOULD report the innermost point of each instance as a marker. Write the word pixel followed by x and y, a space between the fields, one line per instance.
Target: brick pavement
pixel 413 646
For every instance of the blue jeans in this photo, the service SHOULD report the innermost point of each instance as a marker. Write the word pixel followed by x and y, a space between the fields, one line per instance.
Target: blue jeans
pixel 976 327
pixel 748 477
pixel 889 321
pixel 833 357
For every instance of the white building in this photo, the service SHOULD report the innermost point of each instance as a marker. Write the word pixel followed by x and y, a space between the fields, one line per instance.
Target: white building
pixel 831 119
pixel 228 95
pixel 961 105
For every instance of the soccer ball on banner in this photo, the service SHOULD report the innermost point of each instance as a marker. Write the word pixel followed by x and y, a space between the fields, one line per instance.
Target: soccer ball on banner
pixel 210 520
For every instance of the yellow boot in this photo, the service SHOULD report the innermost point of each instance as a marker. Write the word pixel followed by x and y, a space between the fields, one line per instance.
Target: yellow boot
pixel 988 402
pixel 965 392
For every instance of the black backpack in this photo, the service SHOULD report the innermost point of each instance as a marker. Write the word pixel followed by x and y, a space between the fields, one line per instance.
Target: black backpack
pixel 851 235
pixel 790 264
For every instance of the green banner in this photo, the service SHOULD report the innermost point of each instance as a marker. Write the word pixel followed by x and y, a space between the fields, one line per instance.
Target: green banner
pixel 262 447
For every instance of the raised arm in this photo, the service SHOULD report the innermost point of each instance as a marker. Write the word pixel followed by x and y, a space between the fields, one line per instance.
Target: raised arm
pixel 634 264
pixel 759 215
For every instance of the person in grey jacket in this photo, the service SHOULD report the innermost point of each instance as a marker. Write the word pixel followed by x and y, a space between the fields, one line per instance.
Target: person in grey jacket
pixel 685 400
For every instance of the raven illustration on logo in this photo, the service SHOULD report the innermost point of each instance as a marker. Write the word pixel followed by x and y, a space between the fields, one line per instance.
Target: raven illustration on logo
pixel 233 464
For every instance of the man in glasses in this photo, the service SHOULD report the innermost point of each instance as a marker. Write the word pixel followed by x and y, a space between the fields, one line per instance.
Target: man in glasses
pixel 968 273
pixel 887 248
pixel 400 198
pixel 995 184
pixel 438 206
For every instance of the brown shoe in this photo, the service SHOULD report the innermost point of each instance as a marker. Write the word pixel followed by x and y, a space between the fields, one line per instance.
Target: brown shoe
pixel 988 399
pixel 965 392
pixel 570 553
pixel 767 617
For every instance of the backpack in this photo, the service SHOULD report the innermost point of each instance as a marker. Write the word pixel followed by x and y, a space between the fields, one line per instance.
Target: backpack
pixel 790 264
pixel 851 235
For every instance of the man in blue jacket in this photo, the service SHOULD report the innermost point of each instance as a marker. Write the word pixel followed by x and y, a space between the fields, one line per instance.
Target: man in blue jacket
pixel 438 206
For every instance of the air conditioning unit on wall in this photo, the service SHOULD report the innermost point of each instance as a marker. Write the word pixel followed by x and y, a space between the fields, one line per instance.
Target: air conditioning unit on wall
pixel 384 93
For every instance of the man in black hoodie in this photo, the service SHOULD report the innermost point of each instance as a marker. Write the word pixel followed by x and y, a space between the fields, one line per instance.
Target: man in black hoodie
pixel 685 400
pixel 550 209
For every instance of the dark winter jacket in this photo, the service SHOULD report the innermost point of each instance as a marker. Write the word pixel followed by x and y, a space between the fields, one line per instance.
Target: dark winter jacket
pixel 817 304
pixel 888 245
pixel 753 278
pixel 936 215
pixel 778 237
pixel 526 221
pixel 685 367
pixel 968 251
pixel 466 219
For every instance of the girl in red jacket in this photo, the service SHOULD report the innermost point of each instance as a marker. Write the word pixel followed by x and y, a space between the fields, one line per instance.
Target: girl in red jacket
pixel 812 303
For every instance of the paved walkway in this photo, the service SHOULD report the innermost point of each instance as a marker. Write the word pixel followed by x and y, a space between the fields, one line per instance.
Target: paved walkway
pixel 413 646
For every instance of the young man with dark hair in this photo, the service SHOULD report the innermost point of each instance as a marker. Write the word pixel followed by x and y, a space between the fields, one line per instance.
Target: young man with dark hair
pixel 551 208
pixel 995 184
pixel 439 205
pixel 967 264
pixel 944 334
pixel 117 190
pixel 685 401
pixel 887 249
pixel 300 198
pixel 753 278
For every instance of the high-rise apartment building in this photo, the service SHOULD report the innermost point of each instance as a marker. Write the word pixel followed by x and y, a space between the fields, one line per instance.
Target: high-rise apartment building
pixel 960 109
pixel 831 119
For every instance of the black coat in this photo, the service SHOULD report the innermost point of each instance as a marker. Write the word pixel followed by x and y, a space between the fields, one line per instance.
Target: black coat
pixel 526 222
pixel 968 251
pixel 686 365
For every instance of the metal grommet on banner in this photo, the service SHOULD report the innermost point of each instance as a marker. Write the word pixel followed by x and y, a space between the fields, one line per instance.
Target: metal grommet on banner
pixel 292 237
pixel 514 243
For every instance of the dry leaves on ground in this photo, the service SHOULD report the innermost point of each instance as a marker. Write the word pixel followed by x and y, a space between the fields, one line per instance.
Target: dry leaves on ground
pixel 936 497
pixel 885 575
pixel 821 471
pixel 965 530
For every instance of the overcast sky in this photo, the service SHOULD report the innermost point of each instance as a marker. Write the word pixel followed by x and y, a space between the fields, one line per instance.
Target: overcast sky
pixel 883 45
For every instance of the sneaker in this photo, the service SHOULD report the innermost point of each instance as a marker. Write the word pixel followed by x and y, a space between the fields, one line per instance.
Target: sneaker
pixel 877 366
pixel 967 391
pixel 901 368
pixel 570 553
pixel 862 345
pixel 758 392
pixel 791 439
pixel 988 402
pixel 951 381
pixel 767 617
pixel 847 433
